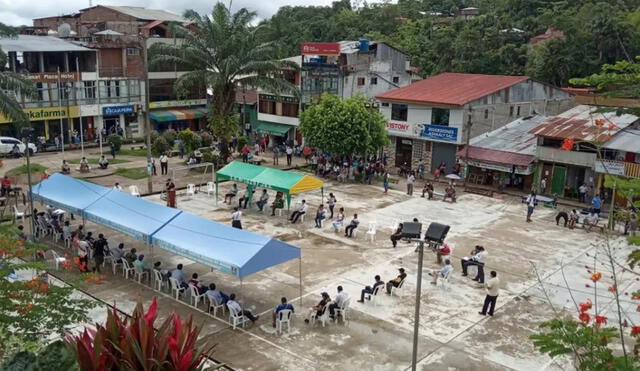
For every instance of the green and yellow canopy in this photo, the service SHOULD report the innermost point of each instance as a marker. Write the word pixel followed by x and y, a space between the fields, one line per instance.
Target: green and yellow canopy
pixel 288 182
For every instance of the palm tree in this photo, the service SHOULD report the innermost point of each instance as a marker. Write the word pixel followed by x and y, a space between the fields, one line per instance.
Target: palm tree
pixel 222 52
pixel 10 84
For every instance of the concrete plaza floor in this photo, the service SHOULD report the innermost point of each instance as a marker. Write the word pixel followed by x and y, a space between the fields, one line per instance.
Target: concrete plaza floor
pixel 453 336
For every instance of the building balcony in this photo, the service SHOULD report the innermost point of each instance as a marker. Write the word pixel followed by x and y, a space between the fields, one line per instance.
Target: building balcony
pixel 557 155
pixel 111 72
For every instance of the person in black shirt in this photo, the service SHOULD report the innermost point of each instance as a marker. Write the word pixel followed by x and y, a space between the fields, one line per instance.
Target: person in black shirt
pixel 100 248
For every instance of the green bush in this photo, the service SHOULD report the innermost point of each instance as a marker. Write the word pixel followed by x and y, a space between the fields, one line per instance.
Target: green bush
pixel 634 240
pixel 191 140
pixel 242 141
pixel 169 136
pixel 207 139
pixel 115 141
pixel 154 135
pixel 211 155
pixel 160 146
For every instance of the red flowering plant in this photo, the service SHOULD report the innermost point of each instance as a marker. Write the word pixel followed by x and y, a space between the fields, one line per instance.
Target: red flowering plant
pixel 133 343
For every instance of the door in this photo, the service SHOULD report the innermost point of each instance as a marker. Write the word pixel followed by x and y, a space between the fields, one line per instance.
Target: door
pixel 558 179
pixel 443 152
pixel 404 150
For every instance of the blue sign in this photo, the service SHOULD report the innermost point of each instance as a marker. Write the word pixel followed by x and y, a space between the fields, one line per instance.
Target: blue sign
pixel 442 133
pixel 118 110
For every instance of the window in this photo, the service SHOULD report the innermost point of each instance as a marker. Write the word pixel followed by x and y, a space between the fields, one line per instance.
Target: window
pixel 399 112
pixel 133 51
pixel 385 104
pixel 486 114
pixel 440 116
pixel 374 81
pixel 267 106
pixel 360 81
pixel 290 109
pixel 89 89
pixel 511 111
pixel 396 79
pixel 518 114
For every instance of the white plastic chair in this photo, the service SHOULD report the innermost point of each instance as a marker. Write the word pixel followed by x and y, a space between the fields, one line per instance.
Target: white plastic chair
pixel 57 259
pixel 127 269
pixel 342 311
pixel 115 264
pixel 195 296
pixel 210 188
pixel 371 232
pixel 18 214
pixel 235 318
pixel 158 282
pixel 393 226
pixel 377 293
pixel 283 318
pixel 214 304
pixel 399 291
pixel 324 315
pixel 444 281
pixel 139 273
pixel 134 190
pixel 108 258
pixel 175 287
pixel 191 190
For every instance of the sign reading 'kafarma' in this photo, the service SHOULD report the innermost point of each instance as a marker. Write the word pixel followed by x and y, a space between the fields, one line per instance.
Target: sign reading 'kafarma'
pixel 46 113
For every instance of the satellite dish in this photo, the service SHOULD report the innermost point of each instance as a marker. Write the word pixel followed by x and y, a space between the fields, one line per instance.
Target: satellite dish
pixel 64 30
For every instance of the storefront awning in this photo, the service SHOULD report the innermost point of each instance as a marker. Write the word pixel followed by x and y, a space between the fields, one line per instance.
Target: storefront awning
pixel 496 156
pixel 272 128
pixel 178 114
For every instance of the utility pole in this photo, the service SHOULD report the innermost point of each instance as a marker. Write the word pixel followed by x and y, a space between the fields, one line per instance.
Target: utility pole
pixel 416 317
pixel 68 113
pixel 27 132
pixel 466 147
pixel 147 123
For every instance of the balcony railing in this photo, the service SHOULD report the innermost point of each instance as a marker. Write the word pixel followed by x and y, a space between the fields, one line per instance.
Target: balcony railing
pixel 566 157
pixel 111 72
pixel 628 169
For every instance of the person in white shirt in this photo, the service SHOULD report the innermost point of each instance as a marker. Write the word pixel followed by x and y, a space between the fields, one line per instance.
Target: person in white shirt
pixel 478 255
pixel 235 218
pixel 264 198
pixel 302 209
pixel 232 193
pixel 410 180
pixel 117 187
pixel 590 221
pixel 348 231
pixel 103 162
pixel 339 222
pixel 531 204
pixel 331 202
pixel 164 164
pixel 338 301
pixel 442 272
pixel 232 304
pixel 492 287
pixel 244 198
pixel 289 152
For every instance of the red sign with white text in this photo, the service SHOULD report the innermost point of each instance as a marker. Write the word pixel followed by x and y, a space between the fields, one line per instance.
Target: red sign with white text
pixel 320 49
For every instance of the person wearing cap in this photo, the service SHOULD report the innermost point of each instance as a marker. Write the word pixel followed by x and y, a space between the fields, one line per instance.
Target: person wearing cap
pixel 316 311
pixel 396 281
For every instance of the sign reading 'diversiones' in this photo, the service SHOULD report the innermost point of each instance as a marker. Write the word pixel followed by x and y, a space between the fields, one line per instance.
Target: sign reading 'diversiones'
pixel 441 133
pixel 118 110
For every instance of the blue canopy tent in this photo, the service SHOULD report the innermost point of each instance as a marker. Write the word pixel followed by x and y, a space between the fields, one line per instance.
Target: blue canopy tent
pixel 68 193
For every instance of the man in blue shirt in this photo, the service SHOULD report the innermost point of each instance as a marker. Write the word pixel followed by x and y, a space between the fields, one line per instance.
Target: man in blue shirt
pixel 596 204
pixel 284 305
pixel 218 296
pixel 178 275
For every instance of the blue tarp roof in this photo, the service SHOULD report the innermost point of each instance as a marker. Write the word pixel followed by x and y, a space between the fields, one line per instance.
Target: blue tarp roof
pixel 228 249
pixel 68 193
pixel 220 246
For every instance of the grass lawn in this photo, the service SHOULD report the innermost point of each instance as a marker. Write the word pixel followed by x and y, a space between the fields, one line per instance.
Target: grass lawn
pixel 133 173
pixel 133 152
pixel 94 161
pixel 21 170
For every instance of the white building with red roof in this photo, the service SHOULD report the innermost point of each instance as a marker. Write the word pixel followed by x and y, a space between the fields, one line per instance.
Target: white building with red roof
pixel 429 120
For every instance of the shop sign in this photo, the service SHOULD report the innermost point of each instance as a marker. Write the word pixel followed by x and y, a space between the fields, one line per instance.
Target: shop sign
pixel 177 103
pixel 320 48
pixel 118 110
pixel 501 167
pixel 275 98
pixel 394 126
pixel 52 77
pixel 440 133
pixel 610 167
pixel 47 113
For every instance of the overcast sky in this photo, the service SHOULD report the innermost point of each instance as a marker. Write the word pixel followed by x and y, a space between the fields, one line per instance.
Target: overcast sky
pixel 21 12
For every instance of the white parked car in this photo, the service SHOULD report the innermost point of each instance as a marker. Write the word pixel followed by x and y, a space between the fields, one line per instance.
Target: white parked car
pixel 7 143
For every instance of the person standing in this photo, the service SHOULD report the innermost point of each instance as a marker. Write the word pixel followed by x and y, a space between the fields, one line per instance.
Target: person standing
pixel 289 155
pixel 410 180
pixel 276 154
pixel 170 188
pixel 385 181
pixel 331 202
pixel 100 247
pixel 492 287
pixel 543 185
pixel 596 204
pixel 113 151
pixel 531 204
pixel 235 218
pixel 164 164
pixel 582 190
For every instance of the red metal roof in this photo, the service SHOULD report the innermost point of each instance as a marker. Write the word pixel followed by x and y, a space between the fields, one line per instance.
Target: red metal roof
pixel 496 156
pixel 452 88
pixel 152 24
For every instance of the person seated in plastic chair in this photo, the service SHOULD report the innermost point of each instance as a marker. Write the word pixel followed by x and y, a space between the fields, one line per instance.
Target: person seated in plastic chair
pixel 339 222
pixel 338 302
pixel 450 192
pixel 178 275
pixel 65 168
pixel 264 198
pixel 320 216
pixel 233 192
pixel 397 235
pixel 283 306
pixel 590 221
pixel 194 281
pixel 348 231
pixel 233 304
pixel 141 265
pixel 478 255
pixel 428 189
pixel 396 281
pixel 316 310
pixel 278 203
pixel 370 289
pixel 217 295
pixel 164 273
pixel 103 162
pixel 442 272
pixel 244 199
pixel 131 256
pixel 302 209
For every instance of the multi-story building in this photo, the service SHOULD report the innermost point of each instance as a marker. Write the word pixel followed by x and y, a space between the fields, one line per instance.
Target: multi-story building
pixel 346 68
pixel 121 35
pixel 429 120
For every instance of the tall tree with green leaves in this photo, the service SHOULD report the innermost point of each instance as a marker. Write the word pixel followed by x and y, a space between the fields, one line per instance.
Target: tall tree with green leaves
pixel 344 126
pixel 222 52
pixel 12 84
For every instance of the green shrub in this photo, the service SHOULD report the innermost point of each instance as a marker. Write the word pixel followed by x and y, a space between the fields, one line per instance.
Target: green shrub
pixel 115 141
pixel 160 146
pixel 207 139
pixel 154 135
pixel 634 240
pixel 169 136
pixel 190 139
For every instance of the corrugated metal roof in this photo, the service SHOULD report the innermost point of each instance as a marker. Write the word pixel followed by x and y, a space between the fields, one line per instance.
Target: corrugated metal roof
pixel 452 88
pixel 579 123
pixel 625 140
pixel 147 14
pixel 32 43
pixel 496 156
